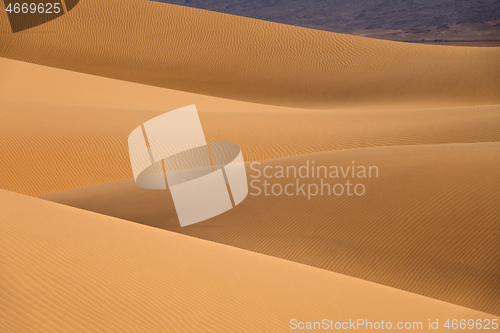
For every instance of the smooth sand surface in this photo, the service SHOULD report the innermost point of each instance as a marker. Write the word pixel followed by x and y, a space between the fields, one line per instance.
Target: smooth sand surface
pixel 68 270
pixel 241 58
pixel 53 142
pixel 428 224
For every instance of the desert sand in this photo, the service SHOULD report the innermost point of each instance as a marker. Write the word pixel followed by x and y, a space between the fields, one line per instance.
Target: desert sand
pixel 57 142
pixel 246 59
pixel 68 270
pixel 421 244
pixel 428 224
pixel 398 20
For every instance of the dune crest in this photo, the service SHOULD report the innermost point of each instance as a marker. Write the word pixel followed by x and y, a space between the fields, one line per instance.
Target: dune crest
pixel 72 90
pixel 246 59
pixel 53 142
pixel 428 224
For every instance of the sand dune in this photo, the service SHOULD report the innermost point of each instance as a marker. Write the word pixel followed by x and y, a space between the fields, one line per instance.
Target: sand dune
pixel 240 58
pixel 67 270
pixel 428 224
pixel 398 20
pixel 427 116
pixel 53 142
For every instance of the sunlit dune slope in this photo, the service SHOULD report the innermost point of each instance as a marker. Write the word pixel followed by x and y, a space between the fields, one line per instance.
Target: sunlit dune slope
pixel 52 141
pixel 428 224
pixel 240 58
pixel 67 270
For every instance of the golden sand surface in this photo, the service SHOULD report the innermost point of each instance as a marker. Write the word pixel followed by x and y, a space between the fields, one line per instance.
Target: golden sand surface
pixel 72 90
pixel 428 224
pixel 54 142
pixel 246 59
pixel 68 270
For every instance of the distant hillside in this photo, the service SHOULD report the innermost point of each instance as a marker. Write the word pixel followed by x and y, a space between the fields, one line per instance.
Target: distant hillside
pixel 411 20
